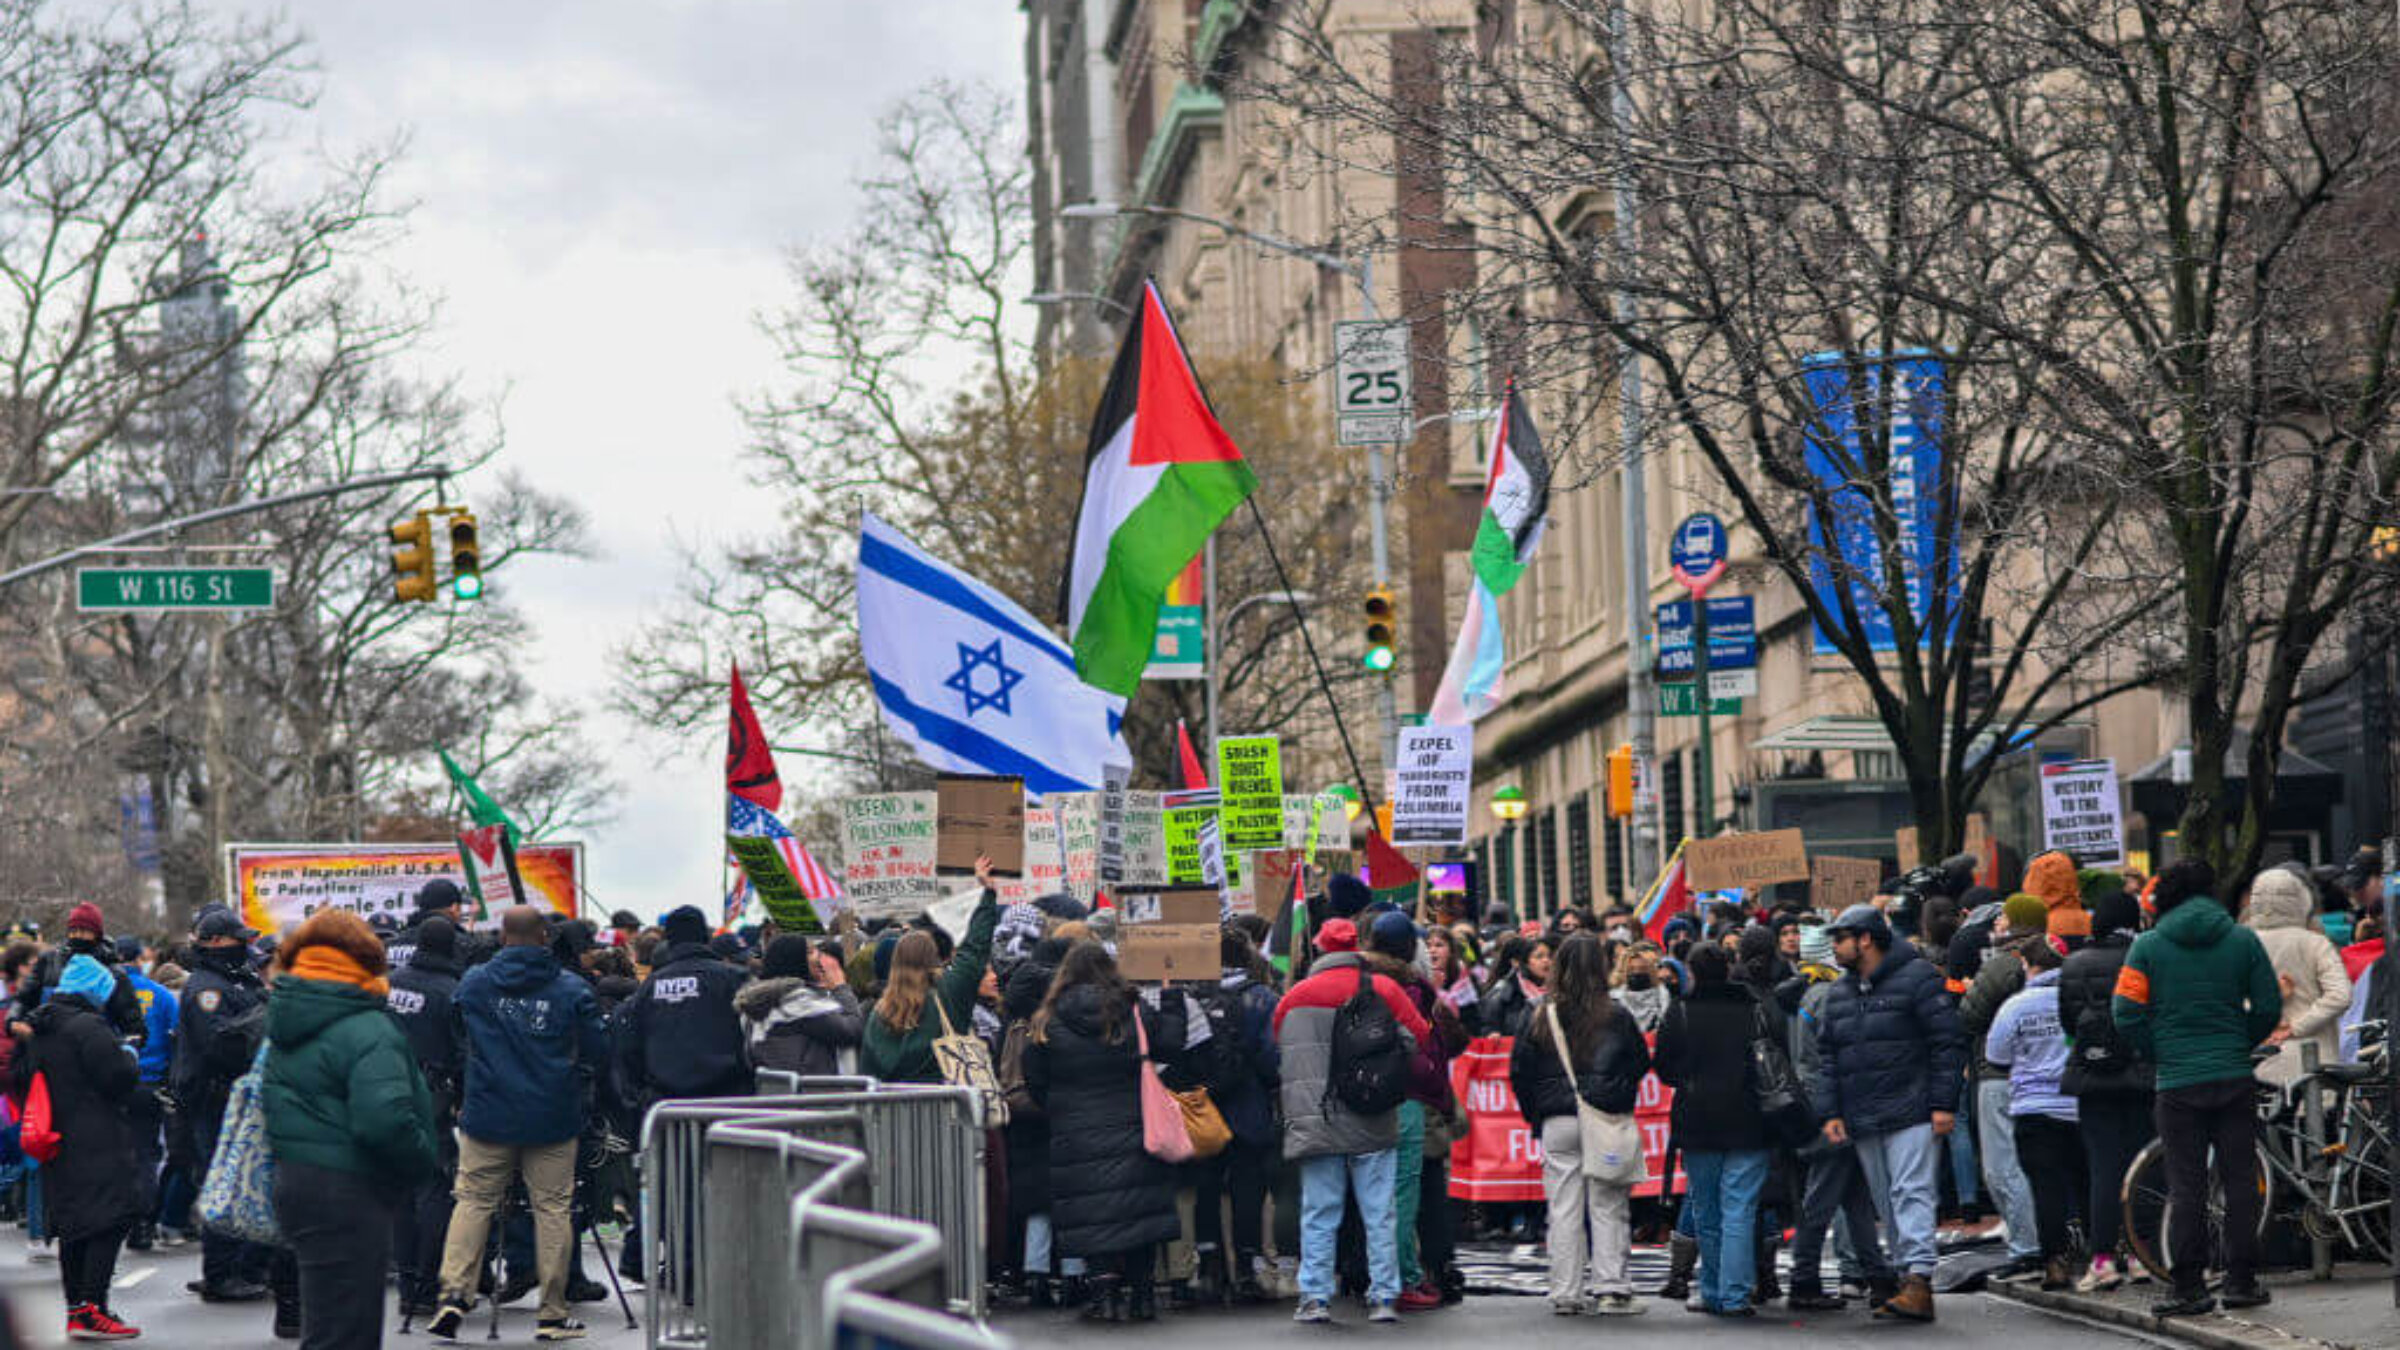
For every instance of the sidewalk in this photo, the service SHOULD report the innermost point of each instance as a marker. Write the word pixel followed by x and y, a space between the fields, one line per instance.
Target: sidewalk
pixel 2351 1311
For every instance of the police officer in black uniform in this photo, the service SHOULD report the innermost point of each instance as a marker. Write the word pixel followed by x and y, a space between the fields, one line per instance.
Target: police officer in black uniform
pixel 682 1036
pixel 420 999
pixel 221 1021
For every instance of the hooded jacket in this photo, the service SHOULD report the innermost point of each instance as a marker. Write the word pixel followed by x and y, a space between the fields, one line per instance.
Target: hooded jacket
pixel 2053 877
pixel 1315 1122
pixel 1609 1078
pixel 342 1090
pixel 2028 1042
pixel 682 1035
pixel 1106 1193
pixel 2280 913
pixel 794 1026
pixel 1892 1047
pixel 532 1033
pixel 1704 1054
pixel 92 1185
pixel 2196 993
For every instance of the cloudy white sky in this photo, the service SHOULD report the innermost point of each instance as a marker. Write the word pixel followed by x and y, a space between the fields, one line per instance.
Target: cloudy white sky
pixel 605 189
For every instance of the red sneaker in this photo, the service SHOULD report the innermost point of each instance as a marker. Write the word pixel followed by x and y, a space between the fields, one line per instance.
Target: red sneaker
pixel 94 1323
pixel 1421 1298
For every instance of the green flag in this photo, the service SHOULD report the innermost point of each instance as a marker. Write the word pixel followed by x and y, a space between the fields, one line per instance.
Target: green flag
pixel 480 807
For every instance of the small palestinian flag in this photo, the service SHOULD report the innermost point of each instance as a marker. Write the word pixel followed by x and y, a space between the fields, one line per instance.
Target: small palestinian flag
pixel 1160 475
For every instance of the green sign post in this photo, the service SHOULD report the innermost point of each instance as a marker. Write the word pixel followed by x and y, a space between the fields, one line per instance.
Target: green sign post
pixel 1683 700
pixel 106 590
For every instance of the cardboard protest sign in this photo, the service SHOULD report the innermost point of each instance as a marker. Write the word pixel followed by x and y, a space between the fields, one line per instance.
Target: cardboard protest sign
pixel 1745 861
pixel 1835 884
pixel 1250 777
pixel 774 884
pixel 1437 767
pixel 1169 951
pixel 1078 841
pixel 1143 838
pixel 979 816
pixel 1270 882
pixel 275 886
pixel 2083 813
pixel 887 854
pixel 1184 905
pixel 1904 843
pixel 1186 813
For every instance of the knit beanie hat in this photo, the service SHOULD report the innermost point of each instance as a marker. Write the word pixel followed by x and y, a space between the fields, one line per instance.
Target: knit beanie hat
pixel 86 916
pixel 2116 913
pixel 438 936
pixel 439 893
pixel 2026 914
pixel 787 958
pixel 87 978
pixel 1346 895
pixel 1395 935
pixel 1816 944
pixel 685 923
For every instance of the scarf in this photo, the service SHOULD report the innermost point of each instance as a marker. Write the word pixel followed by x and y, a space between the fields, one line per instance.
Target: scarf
pixel 336 966
pixel 1647 1006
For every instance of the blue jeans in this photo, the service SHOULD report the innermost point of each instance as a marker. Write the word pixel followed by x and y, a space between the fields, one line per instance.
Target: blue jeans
pixel 1724 1199
pixel 1368 1176
pixel 1903 1183
pixel 2003 1175
pixel 1964 1171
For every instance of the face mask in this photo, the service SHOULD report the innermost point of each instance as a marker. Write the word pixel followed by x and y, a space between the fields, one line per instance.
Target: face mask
pixel 1621 933
pixel 1638 981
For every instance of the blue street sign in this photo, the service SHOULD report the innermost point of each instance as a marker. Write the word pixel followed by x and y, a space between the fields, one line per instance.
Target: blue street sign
pixel 1732 636
pixel 1698 545
pixel 1847 391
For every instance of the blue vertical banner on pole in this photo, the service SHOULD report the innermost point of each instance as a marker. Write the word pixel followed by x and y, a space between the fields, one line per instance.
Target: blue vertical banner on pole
pixel 1838 446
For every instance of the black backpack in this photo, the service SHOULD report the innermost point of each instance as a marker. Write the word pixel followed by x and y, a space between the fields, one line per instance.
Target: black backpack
pixel 1226 1064
pixel 1369 1072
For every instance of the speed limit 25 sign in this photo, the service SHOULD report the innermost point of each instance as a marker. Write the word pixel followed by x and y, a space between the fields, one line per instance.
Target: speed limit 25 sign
pixel 1371 402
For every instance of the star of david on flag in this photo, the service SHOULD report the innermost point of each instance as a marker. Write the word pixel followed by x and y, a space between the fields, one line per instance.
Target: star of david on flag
pixel 970 680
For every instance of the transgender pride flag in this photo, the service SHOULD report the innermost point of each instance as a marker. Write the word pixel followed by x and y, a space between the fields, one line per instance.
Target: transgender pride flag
pixel 1514 497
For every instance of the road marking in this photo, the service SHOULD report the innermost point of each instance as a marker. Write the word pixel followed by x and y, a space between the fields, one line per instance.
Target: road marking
pixel 132 1278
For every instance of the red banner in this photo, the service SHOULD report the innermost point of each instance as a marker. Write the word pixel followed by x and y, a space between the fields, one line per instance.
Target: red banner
pixel 1499 1159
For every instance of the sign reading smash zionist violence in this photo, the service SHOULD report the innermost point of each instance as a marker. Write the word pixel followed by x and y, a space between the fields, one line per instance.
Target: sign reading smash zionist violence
pixel 278 885
pixel 1250 772
pixel 887 854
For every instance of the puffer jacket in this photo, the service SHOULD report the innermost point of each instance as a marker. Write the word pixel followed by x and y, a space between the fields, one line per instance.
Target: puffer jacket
pixel 1610 1078
pixel 1892 1047
pixel 1506 1005
pixel 2197 992
pixel 2085 984
pixel 1106 1194
pixel 794 1026
pixel 534 1043
pixel 2055 878
pixel 2306 964
pixel 92 1185
pixel 342 1089
pixel 1704 1054
pixel 1315 1122
pixel 1249 1106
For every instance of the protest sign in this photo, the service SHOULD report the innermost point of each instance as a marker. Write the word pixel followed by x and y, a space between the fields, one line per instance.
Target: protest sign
pixel 1185 813
pixel 1270 882
pixel 2082 812
pixel 1045 868
pixel 1184 905
pixel 1169 951
pixel 275 886
pixel 1745 861
pixel 1078 841
pixel 1904 844
pixel 979 816
pixel 1143 836
pixel 887 854
pixel 1113 780
pixel 1250 776
pixel 1835 884
pixel 774 884
pixel 1437 766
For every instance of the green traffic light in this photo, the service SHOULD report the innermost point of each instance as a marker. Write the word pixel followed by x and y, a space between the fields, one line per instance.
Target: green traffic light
pixel 1380 658
pixel 468 587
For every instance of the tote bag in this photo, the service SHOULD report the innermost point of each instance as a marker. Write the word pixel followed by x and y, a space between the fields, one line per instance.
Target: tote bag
pixel 965 1061
pixel 1612 1143
pixel 37 1135
pixel 238 1198
pixel 1164 1134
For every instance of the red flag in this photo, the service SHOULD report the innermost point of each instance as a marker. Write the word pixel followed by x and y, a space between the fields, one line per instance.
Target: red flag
pixel 749 764
pixel 1386 869
pixel 1193 775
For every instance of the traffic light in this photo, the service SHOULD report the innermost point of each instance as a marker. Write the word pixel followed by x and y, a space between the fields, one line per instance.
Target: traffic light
pixel 412 566
pixel 466 557
pixel 1620 782
pixel 1382 629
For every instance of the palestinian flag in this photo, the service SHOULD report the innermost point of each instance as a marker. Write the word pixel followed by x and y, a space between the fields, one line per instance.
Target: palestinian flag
pixel 488 849
pixel 1669 896
pixel 1514 498
pixel 1389 875
pixel 1159 476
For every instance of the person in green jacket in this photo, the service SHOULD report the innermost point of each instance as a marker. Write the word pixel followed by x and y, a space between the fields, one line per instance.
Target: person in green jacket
pixel 922 997
pixel 349 1121
pixel 2197 993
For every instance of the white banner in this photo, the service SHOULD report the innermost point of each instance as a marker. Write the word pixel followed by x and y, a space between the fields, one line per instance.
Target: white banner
pixel 1429 804
pixel 2083 813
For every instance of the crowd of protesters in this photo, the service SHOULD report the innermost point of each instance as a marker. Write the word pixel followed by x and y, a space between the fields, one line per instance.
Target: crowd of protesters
pixel 446 1107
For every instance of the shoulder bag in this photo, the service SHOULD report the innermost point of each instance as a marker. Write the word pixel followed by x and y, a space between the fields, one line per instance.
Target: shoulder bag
pixel 1165 1135
pixel 1612 1143
pixel 965 1061
pixel 238 1197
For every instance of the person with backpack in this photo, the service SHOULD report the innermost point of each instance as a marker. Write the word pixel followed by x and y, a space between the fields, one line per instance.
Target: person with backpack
pixel 1704 1054
pixel 88 1185
pixel 1241 1016
pixel 220 1024
pixel 1577 1024
pixel 1348 1041
pixel 2028 1040
pixel 1392 950
pixel 2111 1084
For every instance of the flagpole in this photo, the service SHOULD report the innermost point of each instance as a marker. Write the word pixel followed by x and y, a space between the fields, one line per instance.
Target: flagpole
pixel 1366 791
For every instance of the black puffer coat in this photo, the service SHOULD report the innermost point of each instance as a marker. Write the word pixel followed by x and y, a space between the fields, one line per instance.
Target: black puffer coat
pixel 93 1185
pixel 1610 1078
pixel 1106 1194
pixel 2086 983
pixel 1893 1050
pixel 1028 1132
pixel 1704 1054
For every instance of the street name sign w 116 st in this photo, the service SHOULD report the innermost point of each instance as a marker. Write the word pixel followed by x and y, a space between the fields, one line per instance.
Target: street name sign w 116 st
pixel 154 590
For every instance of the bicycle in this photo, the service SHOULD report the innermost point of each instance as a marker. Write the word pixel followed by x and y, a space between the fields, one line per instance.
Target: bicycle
pixel 2336 1183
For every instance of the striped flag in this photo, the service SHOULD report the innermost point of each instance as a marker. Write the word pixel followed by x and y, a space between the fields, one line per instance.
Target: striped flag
pixel 747 818
pixel 1669 896
pixel 1514 498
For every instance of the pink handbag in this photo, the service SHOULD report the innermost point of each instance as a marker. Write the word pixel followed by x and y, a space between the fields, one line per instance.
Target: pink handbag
pixel 1164 1136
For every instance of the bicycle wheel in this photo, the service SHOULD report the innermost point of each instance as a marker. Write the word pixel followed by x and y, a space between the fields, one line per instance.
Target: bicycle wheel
pixel 2150 1214
pixel 2362 1190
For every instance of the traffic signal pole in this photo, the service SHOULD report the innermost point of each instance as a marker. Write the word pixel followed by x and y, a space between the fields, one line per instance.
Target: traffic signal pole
pixel 1641 688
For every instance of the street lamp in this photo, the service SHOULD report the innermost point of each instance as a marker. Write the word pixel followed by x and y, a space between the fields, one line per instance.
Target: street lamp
pixel 1509 804
pixel 1379 487
pixel 1209 659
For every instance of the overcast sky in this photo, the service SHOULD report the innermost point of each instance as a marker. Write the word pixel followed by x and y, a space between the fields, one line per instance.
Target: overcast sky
pixel 605 189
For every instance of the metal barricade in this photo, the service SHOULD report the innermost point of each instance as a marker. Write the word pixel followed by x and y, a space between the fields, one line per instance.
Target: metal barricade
pixel 778 1083
pixel 812 1157
pixel 875 1270
pixel 674 1166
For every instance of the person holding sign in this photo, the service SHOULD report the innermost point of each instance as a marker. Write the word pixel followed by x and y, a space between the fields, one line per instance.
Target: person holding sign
pixel 922 996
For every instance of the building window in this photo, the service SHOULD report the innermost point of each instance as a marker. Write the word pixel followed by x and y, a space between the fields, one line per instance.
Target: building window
pixel 1579 850
pixel 1546 859
pixel 1670 800
pixel 1612 858
pixel 1504 869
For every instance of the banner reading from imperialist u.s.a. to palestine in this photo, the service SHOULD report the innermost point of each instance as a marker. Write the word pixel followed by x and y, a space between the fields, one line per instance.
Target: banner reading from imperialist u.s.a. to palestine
pixel 278 885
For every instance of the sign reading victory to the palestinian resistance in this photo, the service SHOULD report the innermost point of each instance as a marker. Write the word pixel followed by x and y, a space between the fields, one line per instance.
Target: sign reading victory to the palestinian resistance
pixel 277 885
pixel 887 854
pixel 1187 814
pixel 1250 774
pixel 2082 812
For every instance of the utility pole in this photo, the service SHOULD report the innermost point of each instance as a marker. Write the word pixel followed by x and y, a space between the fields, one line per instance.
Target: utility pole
pixel 1641 692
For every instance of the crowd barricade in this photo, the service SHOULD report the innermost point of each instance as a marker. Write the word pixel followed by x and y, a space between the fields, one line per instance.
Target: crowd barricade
pixel 747 1175
pixel 777 1082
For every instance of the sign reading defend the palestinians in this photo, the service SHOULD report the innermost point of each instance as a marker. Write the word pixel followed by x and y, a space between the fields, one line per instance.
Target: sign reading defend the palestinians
pixel 887 854
pixel 2082 812
pixel 1437 766
pixel 1250 775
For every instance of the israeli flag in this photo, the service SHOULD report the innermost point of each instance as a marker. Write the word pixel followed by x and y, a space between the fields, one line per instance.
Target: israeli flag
pixel 972 681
